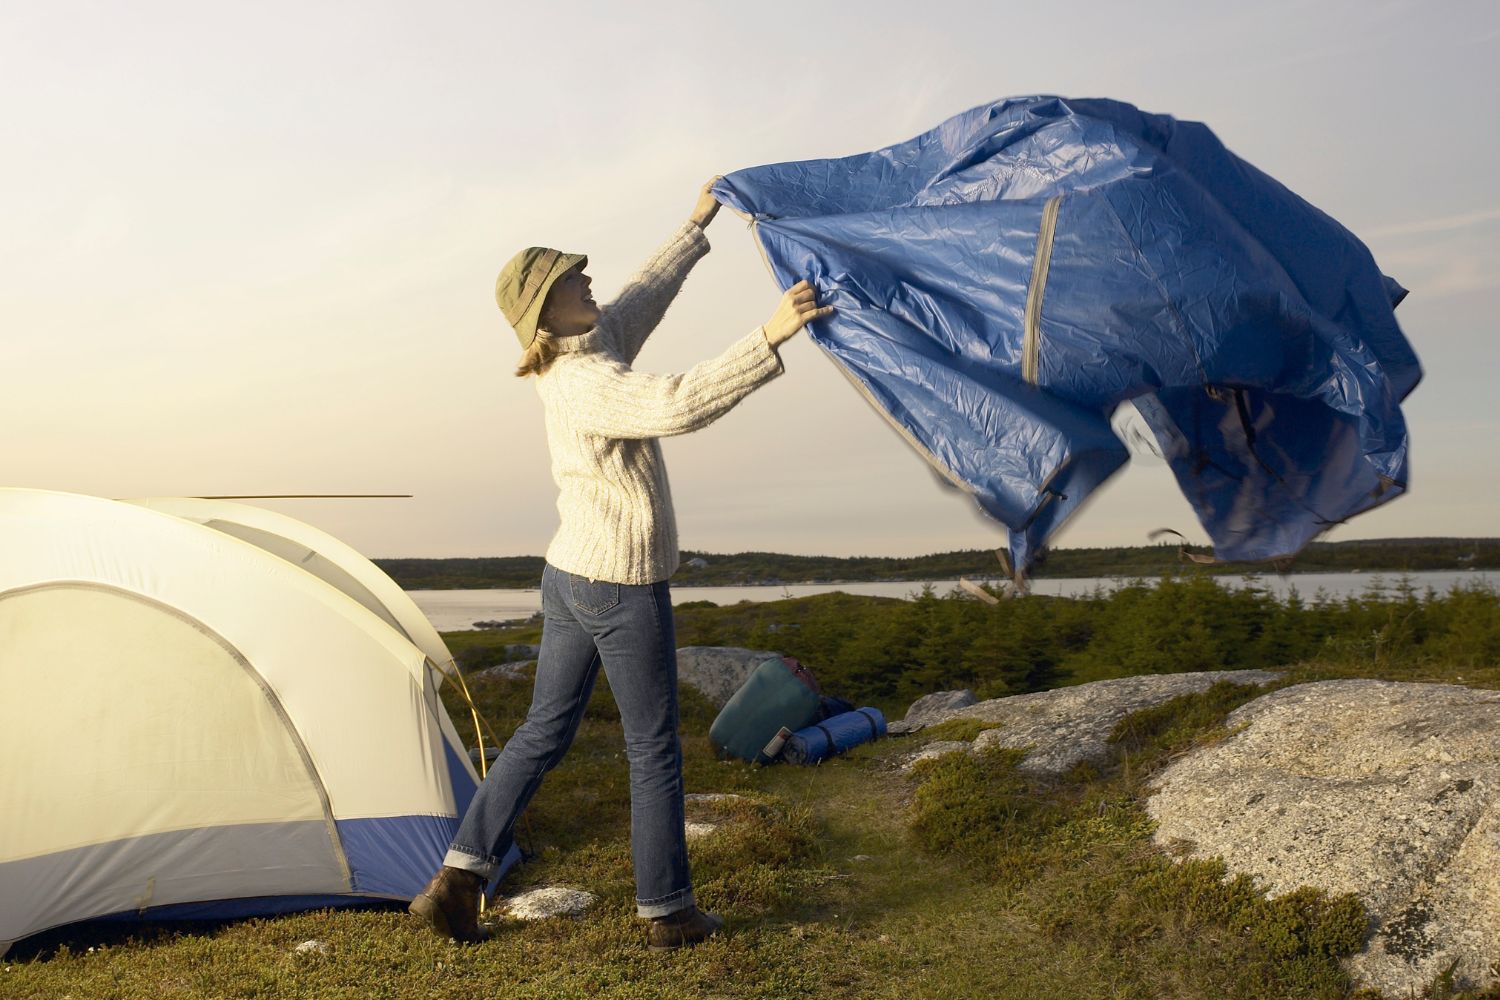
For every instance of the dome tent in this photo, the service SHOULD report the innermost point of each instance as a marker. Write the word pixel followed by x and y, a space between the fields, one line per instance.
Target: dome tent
pixel 320 554
pixel 341 566
pixel 335 563
pixel 194 727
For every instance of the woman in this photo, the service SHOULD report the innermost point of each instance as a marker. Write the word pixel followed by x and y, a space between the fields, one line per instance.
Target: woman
pixel 604 588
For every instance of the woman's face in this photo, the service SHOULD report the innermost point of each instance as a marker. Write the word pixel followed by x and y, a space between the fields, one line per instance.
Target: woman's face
pixel 570 308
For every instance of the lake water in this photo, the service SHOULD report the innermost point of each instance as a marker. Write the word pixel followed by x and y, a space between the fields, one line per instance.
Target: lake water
pixel 458 610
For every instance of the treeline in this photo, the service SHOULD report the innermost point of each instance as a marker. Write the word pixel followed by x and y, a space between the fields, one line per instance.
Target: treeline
pixel 888 652
pixel 744 568
pixel 778 568
pixel 1390 555
pixel 503 572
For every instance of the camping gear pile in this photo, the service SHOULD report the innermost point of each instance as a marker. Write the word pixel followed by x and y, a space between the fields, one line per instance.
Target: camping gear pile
pixel 1005 281
pixel 209 710
pixel 780 714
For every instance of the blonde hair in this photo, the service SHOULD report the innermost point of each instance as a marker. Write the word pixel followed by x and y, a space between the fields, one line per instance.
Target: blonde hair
pixel 538 356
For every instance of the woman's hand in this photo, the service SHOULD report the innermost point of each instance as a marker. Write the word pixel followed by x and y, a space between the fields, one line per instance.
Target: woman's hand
pixel 798 307
pixel 707 207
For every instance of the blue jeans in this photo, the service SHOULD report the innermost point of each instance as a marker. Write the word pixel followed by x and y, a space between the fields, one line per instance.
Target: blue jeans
pixel 630 628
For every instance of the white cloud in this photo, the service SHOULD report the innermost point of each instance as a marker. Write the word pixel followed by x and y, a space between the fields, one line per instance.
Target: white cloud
pixel 1443 224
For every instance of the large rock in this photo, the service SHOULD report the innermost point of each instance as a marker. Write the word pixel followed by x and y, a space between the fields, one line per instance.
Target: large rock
pixel 718 671
pixel 1381 789
pixel 1072 724
pixel 936 707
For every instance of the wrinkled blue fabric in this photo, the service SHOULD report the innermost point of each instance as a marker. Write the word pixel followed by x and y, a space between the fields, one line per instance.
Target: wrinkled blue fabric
pixel 1255 335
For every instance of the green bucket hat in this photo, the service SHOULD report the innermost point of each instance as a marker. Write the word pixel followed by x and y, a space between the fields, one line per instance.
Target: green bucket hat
pixel 523 285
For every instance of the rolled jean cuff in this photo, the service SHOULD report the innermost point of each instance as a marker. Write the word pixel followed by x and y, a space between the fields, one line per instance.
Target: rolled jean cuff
pixel 484 867
pixel 666 905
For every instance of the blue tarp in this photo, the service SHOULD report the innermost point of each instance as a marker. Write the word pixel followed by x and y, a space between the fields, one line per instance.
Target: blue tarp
pixel 1006 280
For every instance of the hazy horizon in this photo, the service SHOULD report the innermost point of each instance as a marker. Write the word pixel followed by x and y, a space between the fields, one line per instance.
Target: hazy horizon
pixel 882 555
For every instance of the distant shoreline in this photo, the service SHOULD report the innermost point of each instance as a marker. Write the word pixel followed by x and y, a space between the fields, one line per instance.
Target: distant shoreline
pixel 770 569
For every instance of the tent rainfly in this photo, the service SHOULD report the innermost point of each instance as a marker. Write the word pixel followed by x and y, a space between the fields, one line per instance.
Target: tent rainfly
pixel 1005 281
pixel 194 726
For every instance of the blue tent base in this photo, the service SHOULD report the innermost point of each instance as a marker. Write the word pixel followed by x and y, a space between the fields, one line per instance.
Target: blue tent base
pixel 119 927
pixel 250 906
pixel 222 910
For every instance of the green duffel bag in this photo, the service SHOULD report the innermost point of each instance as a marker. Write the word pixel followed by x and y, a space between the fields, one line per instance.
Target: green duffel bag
pixel 780 692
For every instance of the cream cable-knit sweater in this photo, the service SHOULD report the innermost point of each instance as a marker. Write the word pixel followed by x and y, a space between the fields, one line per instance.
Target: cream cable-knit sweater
pixel 603 419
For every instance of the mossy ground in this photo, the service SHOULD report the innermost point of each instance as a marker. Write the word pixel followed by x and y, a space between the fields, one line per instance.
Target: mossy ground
pixel 961 878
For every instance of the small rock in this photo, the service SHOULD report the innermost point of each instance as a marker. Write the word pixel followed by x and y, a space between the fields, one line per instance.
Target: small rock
pixel 551 901
pixel 703 816
pixel 311 947
pixel 863 857
pixel 514 670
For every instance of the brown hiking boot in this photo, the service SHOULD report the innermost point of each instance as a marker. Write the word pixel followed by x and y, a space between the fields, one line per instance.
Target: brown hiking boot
pixel 684 927
pixel 450 905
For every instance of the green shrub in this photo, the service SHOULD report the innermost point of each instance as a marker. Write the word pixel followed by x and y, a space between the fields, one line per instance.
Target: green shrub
pixel 1467 629
pixel 980 807
pixel 1298 925
pixel 957 729
pixel 1175 723
pixel 887 652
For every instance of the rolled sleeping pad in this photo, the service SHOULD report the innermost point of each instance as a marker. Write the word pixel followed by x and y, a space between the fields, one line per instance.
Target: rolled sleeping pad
pixel 833 736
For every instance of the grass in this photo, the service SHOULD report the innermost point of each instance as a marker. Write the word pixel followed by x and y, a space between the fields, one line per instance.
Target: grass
pixel 961 878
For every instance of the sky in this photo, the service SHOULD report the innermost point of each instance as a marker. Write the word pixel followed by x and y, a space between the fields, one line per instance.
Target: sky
pixel 251 248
